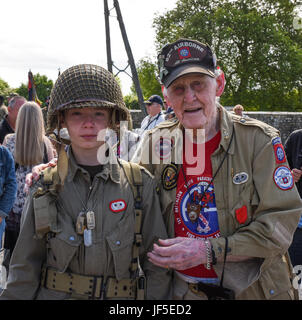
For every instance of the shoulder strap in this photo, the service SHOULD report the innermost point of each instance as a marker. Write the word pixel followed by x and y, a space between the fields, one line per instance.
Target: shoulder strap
pixel 134 176
pixel 44 202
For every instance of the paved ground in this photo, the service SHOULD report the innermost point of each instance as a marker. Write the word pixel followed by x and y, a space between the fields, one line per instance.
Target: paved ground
pixel 3 277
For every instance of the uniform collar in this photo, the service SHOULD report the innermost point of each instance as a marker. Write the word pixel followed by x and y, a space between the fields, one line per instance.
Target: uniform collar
pixel 109 170
pixel 226 129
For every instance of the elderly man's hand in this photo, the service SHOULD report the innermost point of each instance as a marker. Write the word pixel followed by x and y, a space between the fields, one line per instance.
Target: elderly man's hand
pixel 178 253
pixel 35 173
pixel 296 174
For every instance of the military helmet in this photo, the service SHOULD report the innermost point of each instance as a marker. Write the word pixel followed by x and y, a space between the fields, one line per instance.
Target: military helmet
pixel 82 86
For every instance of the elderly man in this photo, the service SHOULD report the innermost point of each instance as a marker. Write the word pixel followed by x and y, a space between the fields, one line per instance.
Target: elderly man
pixel 155 115
pixel 227 195
pixel 8 124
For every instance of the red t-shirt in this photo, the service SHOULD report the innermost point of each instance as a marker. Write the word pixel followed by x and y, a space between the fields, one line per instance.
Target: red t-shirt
pixel 195 213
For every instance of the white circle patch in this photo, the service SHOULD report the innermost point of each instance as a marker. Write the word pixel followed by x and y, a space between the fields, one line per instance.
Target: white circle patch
pixel 283 178
pixel 117 205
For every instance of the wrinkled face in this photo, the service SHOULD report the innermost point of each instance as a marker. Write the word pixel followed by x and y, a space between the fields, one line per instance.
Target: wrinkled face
pixel 83 126
pixel 193 98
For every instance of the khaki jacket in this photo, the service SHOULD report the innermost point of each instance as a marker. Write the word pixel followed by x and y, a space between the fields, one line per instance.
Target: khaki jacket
pixel 272 214
pixel 112 239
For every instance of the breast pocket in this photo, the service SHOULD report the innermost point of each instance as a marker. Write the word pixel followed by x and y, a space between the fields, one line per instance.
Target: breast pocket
pixel 62 249
pixel 121 248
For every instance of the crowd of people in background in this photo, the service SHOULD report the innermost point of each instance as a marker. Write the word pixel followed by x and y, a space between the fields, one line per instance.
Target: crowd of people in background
pixel 25 144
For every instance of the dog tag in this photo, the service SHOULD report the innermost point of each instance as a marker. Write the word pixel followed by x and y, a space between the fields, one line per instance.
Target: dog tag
pixel 90 220
pixel 80 225
pixel 87 237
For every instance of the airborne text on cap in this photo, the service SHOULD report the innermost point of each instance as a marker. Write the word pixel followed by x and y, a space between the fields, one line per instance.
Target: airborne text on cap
pixel 188 44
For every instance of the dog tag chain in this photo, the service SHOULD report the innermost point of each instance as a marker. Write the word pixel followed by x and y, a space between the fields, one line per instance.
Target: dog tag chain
pixel 85 222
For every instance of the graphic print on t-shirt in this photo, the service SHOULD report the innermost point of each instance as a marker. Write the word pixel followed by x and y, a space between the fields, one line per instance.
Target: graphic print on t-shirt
pixel 195 209
pixel 196 213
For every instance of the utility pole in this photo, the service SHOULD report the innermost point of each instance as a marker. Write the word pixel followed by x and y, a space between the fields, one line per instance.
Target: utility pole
pixel 127 48
pixel 108 44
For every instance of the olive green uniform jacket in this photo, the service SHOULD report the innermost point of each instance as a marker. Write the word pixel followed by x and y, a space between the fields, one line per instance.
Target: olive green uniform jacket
pixel 272 214
pixel 112 239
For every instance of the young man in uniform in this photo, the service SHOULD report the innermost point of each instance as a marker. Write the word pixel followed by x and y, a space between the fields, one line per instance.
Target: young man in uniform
pixel 227 194
pixel 87 226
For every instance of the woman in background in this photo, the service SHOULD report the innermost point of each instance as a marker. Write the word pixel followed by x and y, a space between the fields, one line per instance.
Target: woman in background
pixel 30 147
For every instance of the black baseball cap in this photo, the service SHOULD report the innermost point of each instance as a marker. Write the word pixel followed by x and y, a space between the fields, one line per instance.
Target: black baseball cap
pixel 154 98
pixel 185 56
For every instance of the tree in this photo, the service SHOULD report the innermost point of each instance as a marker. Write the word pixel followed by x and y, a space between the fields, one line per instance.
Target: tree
pixel 131 102
pixel 5 89
pixel 255 42
pixel 147 75
pixel 43 87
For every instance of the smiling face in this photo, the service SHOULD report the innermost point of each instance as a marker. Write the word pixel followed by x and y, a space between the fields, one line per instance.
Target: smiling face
pixel 83 126
pixel 193 98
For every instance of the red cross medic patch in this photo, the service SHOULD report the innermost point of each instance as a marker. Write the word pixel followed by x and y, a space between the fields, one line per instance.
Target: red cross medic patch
pixel 117 205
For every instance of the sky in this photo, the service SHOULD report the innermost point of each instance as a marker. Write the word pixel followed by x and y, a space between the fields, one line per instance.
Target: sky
pixel 45 36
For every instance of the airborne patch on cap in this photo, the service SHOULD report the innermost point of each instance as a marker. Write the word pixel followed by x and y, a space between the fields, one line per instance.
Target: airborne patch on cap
pixel 184 53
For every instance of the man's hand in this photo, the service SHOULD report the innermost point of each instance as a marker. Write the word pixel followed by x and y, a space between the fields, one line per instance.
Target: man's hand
pixel 35 173
pixel 296 174
pixel 178 253
pixel 0 219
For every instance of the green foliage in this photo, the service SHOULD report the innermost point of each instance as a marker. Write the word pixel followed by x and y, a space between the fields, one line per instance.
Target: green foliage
pixel 131 102
pixel 5 90
pixel 147 75
pixel 255 42
pixel 43 87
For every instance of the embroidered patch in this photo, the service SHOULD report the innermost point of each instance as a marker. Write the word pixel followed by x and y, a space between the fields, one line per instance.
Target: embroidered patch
pixel 169 177
pixel 241 214
pixel 283 178
pixel 117 205
pixel 279 153
pixel 241 177
pixel 276 140
pixel 184 53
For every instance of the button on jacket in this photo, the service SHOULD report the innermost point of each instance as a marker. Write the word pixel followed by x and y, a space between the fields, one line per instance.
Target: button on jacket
pixel 112 239
pixel 272 213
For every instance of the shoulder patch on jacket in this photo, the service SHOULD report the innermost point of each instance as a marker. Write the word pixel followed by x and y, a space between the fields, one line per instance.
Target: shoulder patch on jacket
pixel 247 121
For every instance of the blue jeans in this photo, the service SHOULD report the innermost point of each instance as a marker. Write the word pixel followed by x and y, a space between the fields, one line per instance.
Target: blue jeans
pixel 2 228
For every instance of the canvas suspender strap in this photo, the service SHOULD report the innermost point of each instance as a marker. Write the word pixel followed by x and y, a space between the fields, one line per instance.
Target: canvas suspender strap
pixel 44 203
pixel 134 176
